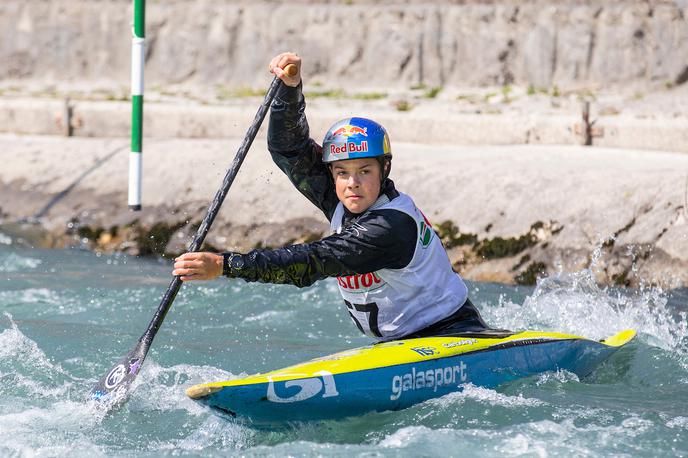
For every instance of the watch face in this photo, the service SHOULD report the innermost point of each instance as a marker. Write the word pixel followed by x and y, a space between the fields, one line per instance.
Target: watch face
pixel 236 261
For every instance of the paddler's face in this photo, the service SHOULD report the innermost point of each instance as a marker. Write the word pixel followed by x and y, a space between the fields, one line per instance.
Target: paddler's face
pixel 357 182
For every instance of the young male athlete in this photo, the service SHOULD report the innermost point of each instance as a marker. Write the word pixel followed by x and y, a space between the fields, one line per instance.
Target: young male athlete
pixel 392 270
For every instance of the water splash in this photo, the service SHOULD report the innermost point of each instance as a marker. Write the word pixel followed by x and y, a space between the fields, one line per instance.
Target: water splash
pixel 19 353
pixel 64 427
pixel 213 433
pixel 637 411
pixel 270 316
pixel 405 437
pixel 484 396
pixel 164 388
pixel 49 301
pixel 574 303
pixel 12 262
pixel 557 377
pixel 678 422
pixel 41 390
pixel 5 239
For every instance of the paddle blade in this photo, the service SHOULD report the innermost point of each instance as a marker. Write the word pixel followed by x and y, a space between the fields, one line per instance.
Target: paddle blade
pixel 112 389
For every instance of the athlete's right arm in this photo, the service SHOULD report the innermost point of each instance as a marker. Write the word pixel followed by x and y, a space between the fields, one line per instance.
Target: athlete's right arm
pixel 295 153
pixel 380 239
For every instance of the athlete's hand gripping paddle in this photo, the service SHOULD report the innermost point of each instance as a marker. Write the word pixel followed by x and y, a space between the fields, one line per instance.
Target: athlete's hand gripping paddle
pixel 112 389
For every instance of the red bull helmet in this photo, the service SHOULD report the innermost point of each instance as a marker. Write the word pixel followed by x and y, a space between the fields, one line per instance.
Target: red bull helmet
pixel 355 138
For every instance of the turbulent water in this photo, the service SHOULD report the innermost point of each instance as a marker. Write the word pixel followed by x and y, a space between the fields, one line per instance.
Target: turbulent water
pixel 67 316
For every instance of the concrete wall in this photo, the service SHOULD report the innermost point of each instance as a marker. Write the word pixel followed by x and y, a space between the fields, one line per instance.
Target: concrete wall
pixel 376 44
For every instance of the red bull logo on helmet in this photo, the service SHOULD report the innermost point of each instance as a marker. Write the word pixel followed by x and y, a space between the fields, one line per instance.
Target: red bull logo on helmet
pixel 348 130
pixel 355 138
pixel 349 147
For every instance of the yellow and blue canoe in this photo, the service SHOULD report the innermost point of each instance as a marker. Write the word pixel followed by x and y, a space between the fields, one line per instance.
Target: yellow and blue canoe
pixel 397 374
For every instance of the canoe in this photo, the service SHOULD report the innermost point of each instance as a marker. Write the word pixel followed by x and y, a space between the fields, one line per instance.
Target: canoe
pixel 398 374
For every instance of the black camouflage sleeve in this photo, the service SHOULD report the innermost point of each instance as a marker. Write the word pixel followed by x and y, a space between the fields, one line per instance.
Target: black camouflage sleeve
pixel 379 239
pixel 295 153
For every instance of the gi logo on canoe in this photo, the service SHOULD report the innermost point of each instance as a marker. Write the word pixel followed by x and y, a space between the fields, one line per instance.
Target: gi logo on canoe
pixel 308 387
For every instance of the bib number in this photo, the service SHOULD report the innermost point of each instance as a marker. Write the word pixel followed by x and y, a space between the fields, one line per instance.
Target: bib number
pixel 365 314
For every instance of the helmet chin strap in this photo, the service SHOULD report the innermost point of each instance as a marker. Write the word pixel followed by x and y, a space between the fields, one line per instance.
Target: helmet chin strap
pixel 385 168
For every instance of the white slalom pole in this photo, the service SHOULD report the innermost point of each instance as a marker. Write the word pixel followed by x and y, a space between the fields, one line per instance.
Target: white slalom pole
pixel 138 52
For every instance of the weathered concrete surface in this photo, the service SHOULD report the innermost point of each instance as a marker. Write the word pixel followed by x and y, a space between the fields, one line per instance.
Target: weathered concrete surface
pixel 375 44
pixel 561 201
pixel 657 120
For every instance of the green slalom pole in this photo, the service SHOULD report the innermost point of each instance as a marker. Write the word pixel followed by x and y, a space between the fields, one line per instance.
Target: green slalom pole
pixel 138 52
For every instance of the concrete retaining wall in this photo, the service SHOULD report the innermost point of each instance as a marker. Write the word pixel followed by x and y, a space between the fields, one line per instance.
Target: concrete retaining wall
pixel 378 44
pixel 112 119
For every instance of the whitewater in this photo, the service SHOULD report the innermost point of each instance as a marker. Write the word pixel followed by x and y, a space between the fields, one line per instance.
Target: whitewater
pixel 67 315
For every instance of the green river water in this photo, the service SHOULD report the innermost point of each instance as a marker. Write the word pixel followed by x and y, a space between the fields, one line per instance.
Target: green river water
pixel 67 315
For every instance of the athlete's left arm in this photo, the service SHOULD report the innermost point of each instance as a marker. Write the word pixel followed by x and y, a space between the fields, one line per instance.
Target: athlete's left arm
pixel 377 240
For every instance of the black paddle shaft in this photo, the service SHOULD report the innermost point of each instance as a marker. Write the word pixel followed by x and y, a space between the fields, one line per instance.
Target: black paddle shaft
pixel 114 385
pixel 214 209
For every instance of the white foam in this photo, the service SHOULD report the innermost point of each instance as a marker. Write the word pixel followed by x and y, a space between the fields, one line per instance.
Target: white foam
pixel 164 388
pixel 598 415
pixel 404 436
pixel 24 366
pixel 521 444
pixel 49 301
pixel 12 262
pixel 492 397
pixel 49 431
pixel 678 422
pixel 14 381
pixel 546 437
pixel 43 296
pixel 560 376
pixel 270 315
pixel 573 303
pixel 532 438
pixel 311 296
pixel 215 432
pixel 23 351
